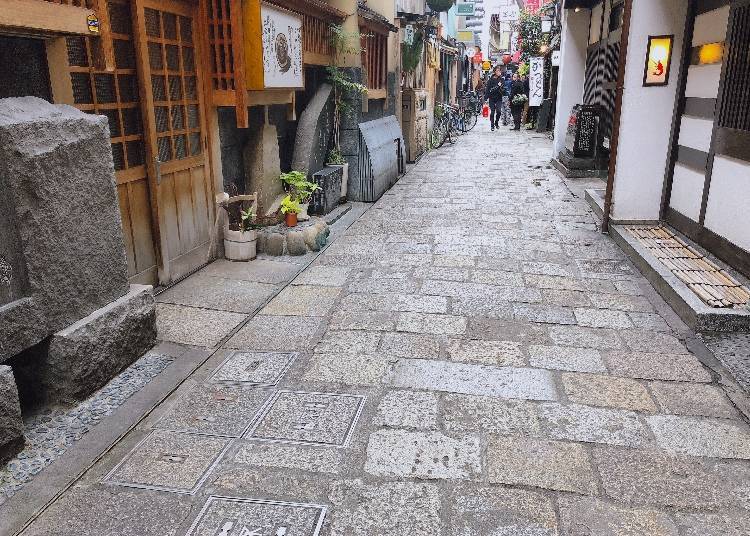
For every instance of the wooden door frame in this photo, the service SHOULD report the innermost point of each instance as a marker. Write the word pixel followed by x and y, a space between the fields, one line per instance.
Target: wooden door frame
pixel 153 167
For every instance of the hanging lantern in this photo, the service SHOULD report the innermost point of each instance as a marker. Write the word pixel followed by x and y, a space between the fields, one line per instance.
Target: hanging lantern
pixel 507 59
pixel 440 5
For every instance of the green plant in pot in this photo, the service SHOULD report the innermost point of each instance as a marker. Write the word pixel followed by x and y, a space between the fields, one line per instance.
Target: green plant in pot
pixel 239 234
pixel 300 189
pixel 290 208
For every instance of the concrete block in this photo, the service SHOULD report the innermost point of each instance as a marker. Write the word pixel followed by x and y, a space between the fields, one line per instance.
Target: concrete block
pixel 84 356
pixel 11 424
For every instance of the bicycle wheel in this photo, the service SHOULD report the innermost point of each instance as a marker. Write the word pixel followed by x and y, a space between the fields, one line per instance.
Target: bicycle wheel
pixel 470 120
pixel 438 134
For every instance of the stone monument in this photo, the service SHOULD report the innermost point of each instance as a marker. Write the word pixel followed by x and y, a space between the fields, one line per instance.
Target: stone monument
pixel 69 320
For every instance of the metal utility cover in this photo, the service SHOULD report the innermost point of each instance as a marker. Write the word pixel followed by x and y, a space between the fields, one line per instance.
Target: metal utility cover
pixel 230 516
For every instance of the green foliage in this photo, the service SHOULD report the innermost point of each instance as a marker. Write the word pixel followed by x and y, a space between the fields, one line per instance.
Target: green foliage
pixel 440 5
pixel 299 187
pixel 290 205
pixel 520 99
pixel 529 28
pixel 246 219
pixel 343 43
pixel 411 54
pixel 241 215
pixel 523 69
pixel 335 157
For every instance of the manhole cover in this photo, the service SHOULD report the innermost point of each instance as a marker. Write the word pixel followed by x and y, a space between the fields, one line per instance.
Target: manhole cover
pixel 169 461
pixel 311 418
pixel 254 368
pixel 227 516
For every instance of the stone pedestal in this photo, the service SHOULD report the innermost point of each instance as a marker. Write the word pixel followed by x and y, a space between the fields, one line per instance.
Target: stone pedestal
pixel 262 166
pixel 11 424
pixel 68 317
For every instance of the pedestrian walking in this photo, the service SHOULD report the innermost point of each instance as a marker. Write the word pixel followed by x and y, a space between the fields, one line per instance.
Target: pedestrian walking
pixel 518 99
pixel 507 86
pixel 494 95
pixel 527 90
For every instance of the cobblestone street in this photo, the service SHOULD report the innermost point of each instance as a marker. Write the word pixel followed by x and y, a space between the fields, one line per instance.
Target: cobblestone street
pixel 470 358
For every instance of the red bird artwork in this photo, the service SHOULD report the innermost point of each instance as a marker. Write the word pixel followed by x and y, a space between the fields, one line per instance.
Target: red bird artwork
pixel 659 69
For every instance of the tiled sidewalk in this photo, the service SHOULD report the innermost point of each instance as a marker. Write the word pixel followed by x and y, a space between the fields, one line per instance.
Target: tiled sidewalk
pixel 471 358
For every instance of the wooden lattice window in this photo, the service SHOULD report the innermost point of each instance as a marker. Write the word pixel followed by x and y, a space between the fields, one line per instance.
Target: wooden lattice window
pixel 111 94
pixel 735 102
pixel 374 58
pixel 316 36
pixel 174 85
pixel 88 4
pixel 220 44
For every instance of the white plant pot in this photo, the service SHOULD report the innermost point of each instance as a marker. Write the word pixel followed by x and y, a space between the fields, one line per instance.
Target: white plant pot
pixel 239 246
pixel 303 215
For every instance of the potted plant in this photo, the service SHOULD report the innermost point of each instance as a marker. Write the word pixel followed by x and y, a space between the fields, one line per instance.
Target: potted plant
pixel 336 159
pixel 290 208
pixel 239 234
pixel 300 190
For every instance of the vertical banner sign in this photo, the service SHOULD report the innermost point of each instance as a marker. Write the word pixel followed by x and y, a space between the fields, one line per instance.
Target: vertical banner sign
pixel 536 81
pixel 409 35
pixel 282 48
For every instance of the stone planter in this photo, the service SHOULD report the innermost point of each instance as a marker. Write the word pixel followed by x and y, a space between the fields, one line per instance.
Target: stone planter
pixel 239 246
pixel 344 177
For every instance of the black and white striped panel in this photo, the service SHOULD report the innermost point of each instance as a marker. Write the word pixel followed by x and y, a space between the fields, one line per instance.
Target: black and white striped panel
pixel 697 122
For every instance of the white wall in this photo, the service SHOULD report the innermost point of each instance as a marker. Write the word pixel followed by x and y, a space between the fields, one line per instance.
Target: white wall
pixel 646 117
pixel 575 36
pixel 728 210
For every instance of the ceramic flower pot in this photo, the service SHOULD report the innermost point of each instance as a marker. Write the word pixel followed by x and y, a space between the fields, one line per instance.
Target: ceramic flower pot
pixel 239 245
pixel 291 219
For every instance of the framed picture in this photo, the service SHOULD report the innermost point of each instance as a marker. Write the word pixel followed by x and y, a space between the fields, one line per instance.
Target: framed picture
pixel 282 48
pixel 658 60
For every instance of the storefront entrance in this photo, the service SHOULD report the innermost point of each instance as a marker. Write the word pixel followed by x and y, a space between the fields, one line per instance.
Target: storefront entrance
pixel 707 191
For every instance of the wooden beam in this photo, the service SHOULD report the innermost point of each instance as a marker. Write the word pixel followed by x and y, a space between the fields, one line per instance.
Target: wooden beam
pixel 140 40
pixel 254 77
pixel 238 49
pixel 44 17
pixel 105 32
pixel 270 96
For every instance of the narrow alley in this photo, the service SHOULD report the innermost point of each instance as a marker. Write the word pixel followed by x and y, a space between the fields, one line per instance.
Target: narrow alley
pixel 470 357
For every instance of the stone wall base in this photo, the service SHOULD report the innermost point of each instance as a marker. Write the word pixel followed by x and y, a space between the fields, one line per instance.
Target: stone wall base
pixel 81 358
pixel 11 423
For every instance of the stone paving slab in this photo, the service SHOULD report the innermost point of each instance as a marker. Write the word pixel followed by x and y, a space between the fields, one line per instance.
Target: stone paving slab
pixel 215 410
pixel 506 382
pixel 474 358
pixel 234 295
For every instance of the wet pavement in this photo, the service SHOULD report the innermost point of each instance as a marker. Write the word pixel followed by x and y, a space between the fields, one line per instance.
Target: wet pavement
pixel 470 358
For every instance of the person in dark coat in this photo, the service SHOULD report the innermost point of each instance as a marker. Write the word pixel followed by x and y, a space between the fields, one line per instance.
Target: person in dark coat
pixel 494 94
pixel 516 108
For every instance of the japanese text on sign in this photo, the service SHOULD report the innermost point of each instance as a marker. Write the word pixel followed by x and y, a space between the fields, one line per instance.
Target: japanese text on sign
pixel 536 81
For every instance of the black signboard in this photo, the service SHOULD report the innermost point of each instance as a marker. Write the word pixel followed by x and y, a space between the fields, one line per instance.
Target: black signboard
pixel 582 137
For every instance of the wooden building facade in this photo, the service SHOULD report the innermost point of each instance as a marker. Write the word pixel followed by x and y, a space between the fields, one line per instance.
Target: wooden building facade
pixel 158 70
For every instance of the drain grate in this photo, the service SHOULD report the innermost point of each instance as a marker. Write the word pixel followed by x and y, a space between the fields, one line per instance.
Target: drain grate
pixel 706 279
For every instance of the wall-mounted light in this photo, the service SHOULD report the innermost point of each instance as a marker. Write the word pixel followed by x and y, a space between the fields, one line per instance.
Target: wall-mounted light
pixel 658 60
